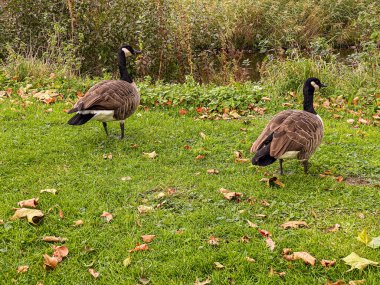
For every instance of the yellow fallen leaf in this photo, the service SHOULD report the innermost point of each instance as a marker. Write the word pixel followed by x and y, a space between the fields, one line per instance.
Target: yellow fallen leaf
pixel 32 203
pixel 52 191
pixel 218 265
pixel 127 261
pixel 33 215
pixel 355 261
pixel 93 273
pixel 22 268
pixel 252 225
pixel 249 259
pixel 151 155
pixel 144 209
pixel 54 239
pixel 294 224
pixel 363 237
pixel 203 136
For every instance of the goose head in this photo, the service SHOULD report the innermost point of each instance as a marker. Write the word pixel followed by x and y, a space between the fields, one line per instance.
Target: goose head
pixel 127 51
pixel 313 83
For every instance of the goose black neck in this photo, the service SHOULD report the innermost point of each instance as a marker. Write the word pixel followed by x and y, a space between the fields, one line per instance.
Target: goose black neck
pixel 308 97
pixel 124 75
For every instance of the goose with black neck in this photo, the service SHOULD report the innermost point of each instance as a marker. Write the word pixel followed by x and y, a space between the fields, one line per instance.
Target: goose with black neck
pixel 109 100
pixel 291 134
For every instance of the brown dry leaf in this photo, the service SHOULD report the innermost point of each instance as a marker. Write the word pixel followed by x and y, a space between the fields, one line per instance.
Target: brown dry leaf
pixel 363 121
pixel 339 178
pixel 140 247
pixel 52 191
pixel 265 233
pixel 54 239
pixel 200 156
pixel 242 160
pixel 108 217
pixel 60 252
pixel 305 256
pixel 327 263
pixel 338 282
pixel 218 265
pixel 230 195
pixel 50 261
pixel 205 282
pixel 93 273
pixel 245 239
pixel 355 101
pixel 264 203
pixel 265 98
pixel 32 203
pixel 187 147
pixel 214 240
pixel 182 112
pixel 252 225
pixel 60 214
pixel 333 229
pixel 151 155
pixel 22 268
pixel 148 238
pixel 238 154
pixel 108 156
pixel 213 171
pixel 294 224
pixel 78 223
pixel 273 272
pixel 33 215
pixel 249 259
pixel 270 243
pixel 144 209
pixel 144 280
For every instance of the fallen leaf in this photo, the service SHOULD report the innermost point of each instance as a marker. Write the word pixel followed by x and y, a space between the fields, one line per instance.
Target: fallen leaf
pixel 60 252
pixel 334 228
pixel 22 268
pixel 245 239
pixel 264 203
pixel 144 280
pixel 108 156
pixel 1 222
pixel 93 273
pixel 52 191
pixel 249 259
pixel 214 240
pixel 140 247
pixel 265 98
pixel 305 256
pixel 230 195
pixel 274 181
pixel 33 215
pixel 355 261
pixel 252 225
pixel 32 203
pixel 151 155
pixel 242 160
pixel 148 238
pixel 144 209
pixel 273 272
pixel 363 237
pixel 363 121
pixel 355 101
pixel 339 178
pixel 203 136
pixel 108 217
pixel 356 282
pixel 270 243
pixel 126 178
pixel 50 262
pixel 182 112
pixel 127 261
pixel 60 214
pixel 78 223
pixel 205 282
pixel 375 242
pixel 338 282
pixel 187 147
pixel 261 216
pixel 294 225
pixel 350 121
pixel 213 171
pixel 54 239
pixel 265 233
pixel 200 156
pixel 327 263
pixel 218 265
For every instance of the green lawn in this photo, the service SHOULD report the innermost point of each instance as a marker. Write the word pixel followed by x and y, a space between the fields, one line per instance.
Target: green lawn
pixel 38 150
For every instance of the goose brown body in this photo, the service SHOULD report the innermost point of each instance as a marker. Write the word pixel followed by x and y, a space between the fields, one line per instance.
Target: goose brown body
pixel 293 130
pixel 119 96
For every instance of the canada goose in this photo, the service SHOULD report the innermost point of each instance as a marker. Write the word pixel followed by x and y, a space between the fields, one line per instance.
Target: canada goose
pixel 291 133
pixel 109 100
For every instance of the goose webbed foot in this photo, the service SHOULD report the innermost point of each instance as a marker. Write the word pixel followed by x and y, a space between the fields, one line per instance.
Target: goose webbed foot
pixel 305 166
pixel 105 128
pixel 281 170
pixel 122 130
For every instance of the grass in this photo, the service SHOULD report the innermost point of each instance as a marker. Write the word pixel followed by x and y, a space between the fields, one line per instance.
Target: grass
pixel 38 150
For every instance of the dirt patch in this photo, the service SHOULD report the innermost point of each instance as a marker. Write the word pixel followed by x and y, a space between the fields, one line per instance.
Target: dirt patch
pixel 357 181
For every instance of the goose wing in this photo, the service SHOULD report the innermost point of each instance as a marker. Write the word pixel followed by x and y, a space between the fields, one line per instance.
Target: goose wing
pixel 118 95
pixel 273 125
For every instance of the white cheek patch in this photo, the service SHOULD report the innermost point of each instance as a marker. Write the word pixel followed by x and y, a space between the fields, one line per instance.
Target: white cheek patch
pixel 315 85
pixel 126 52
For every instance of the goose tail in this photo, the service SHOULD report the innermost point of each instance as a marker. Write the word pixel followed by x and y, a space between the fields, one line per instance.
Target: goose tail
pixel 262 156
pixel 80 119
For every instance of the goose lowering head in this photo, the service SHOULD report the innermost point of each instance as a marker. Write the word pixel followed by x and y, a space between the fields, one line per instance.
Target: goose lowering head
pixel 109 100
pixel 291 134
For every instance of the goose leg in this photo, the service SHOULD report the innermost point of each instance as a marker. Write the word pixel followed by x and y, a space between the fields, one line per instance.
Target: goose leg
pixel 105 128
pixel 281 170
pixel 305 166
pixel 122 130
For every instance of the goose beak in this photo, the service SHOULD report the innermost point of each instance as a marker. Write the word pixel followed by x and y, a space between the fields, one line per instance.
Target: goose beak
pixel 137 52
